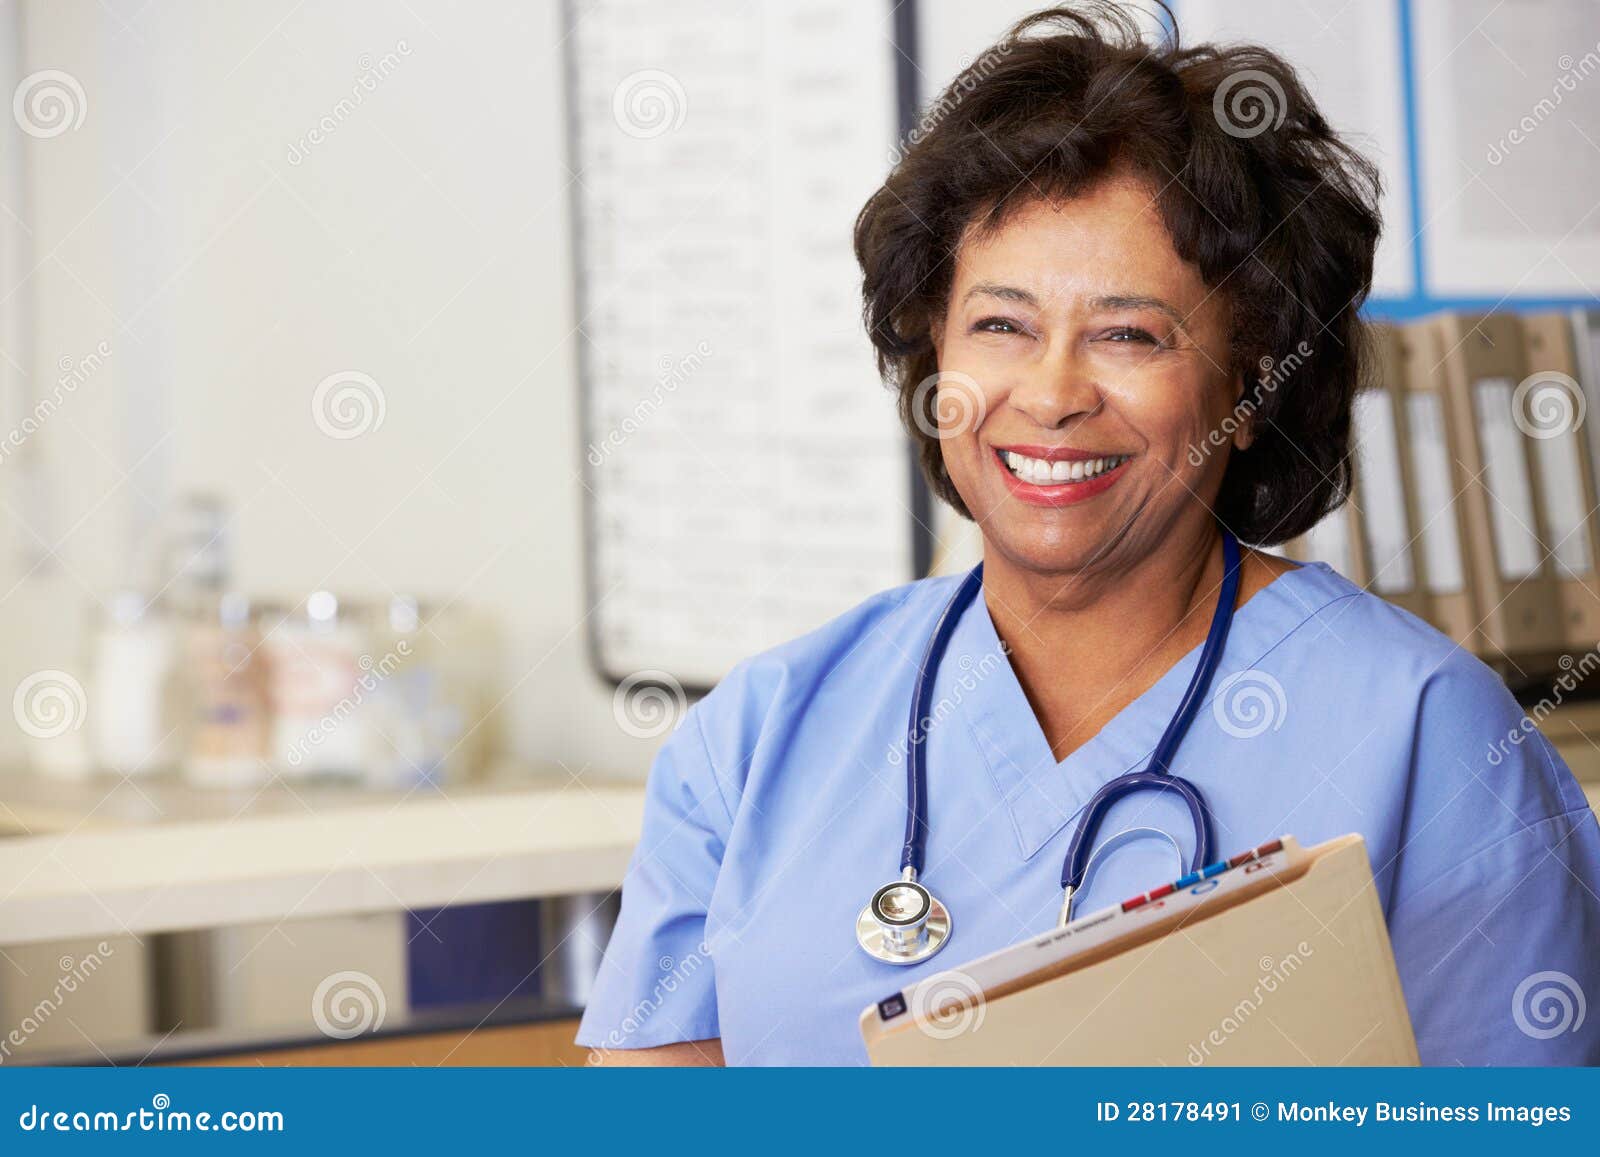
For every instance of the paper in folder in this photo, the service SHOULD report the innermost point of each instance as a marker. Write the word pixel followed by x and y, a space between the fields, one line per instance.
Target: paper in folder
pixel 1278 956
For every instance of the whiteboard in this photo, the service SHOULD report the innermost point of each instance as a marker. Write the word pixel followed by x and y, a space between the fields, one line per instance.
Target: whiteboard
pixel 746 476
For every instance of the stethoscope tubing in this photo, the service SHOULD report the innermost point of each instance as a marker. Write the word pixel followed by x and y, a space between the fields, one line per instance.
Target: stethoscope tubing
pixel 1156 775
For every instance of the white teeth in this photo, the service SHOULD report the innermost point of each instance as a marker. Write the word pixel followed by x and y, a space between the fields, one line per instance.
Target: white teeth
pixel 1040 472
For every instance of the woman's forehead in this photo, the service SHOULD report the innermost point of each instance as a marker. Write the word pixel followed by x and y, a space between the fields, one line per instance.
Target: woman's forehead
pixel 1110 241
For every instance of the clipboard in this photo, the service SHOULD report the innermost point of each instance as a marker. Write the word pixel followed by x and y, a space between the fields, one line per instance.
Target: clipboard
pixel 1278 956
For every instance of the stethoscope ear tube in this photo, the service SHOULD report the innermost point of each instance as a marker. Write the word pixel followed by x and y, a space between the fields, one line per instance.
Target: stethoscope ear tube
pixel 912 851
pixel 1078 852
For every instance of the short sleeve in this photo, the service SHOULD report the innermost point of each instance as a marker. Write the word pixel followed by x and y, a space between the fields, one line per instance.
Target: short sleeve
pixel 656 984
pixel 1495 909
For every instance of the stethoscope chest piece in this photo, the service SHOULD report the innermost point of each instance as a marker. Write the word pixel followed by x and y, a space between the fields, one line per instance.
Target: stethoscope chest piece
pixel 903 923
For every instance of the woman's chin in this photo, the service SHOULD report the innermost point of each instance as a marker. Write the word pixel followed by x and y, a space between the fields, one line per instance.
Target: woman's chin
pixel 1045 551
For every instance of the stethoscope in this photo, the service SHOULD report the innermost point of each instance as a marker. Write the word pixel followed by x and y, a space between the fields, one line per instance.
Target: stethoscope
pixel 903 923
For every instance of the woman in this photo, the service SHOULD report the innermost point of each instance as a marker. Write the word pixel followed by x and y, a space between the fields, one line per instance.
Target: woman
pixel 1123 324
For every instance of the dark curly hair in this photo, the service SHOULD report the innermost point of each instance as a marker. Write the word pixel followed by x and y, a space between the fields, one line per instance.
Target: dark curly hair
pixel 1255 188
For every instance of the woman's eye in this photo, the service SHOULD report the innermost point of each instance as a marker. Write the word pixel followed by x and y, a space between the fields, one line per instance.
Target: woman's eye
pixel 996 325
pixel 1132 334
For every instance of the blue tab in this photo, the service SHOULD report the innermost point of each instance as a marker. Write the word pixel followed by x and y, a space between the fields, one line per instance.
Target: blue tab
pixel 1191 878
pixel 1213 869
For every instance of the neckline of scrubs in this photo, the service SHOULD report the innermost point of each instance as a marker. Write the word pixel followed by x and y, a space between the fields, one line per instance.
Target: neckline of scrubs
pixel 1042 795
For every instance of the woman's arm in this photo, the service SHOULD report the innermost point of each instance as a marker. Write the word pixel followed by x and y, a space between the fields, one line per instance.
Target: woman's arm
pixel 685 1054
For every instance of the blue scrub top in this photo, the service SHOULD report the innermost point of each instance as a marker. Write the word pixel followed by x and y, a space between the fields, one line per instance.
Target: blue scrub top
pixel 778 806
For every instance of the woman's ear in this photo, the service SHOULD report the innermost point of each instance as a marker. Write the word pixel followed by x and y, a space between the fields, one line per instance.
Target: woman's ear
pixel 1245 417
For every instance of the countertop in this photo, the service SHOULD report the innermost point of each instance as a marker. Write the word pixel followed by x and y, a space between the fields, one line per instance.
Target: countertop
pixel 105 856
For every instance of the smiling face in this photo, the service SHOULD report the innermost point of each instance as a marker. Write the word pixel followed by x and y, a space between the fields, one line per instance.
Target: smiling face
pixel 1100 359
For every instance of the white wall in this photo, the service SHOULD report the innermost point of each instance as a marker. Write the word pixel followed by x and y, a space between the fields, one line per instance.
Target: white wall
pixel 423 242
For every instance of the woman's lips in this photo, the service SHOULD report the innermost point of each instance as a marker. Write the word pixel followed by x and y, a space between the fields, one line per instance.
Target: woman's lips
pixel 1099 472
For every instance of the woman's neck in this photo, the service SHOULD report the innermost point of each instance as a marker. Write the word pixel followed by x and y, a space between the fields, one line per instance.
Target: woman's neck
pixel 1087 644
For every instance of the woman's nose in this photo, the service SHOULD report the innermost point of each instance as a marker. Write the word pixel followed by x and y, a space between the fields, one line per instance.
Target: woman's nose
pixel 1055 390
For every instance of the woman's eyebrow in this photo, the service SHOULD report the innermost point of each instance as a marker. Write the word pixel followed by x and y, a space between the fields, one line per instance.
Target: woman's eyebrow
pixel 1003 292
pixel 1108 301
pixel 1138 301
